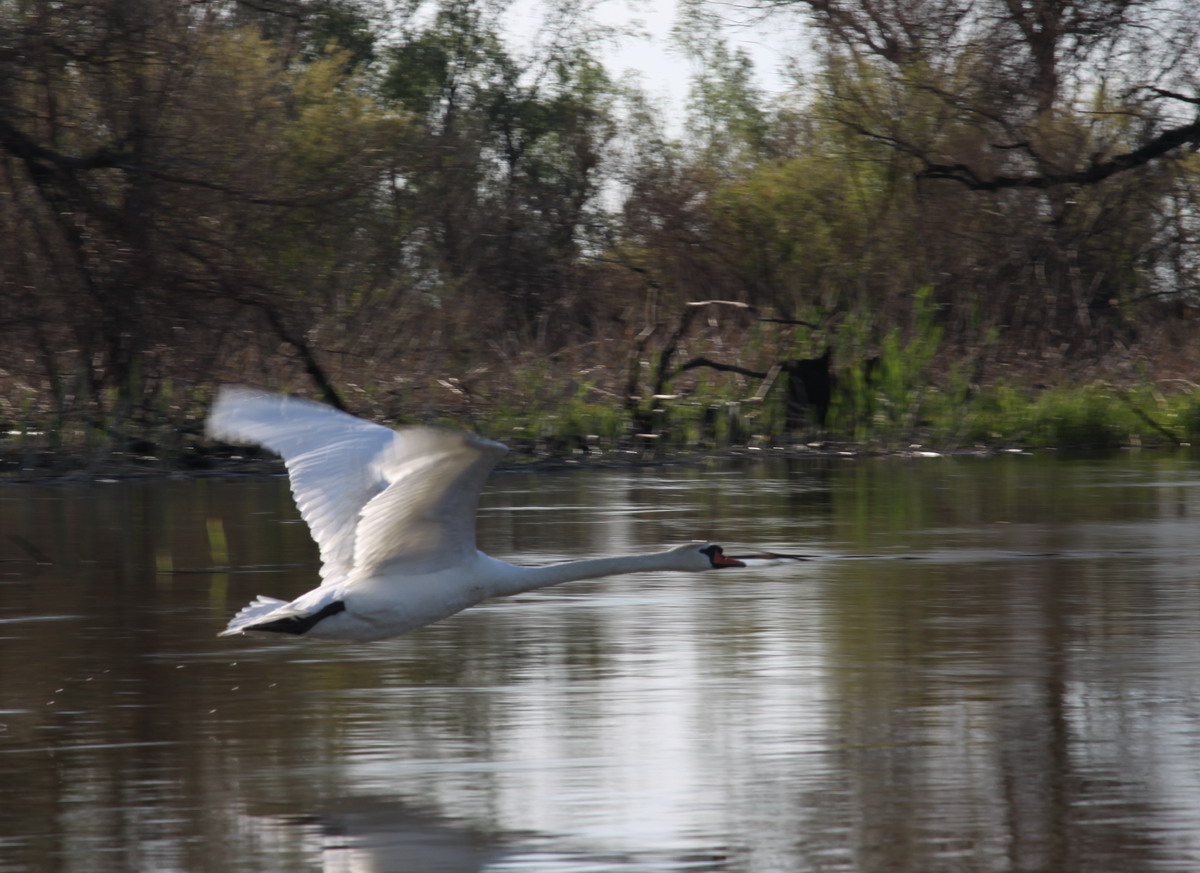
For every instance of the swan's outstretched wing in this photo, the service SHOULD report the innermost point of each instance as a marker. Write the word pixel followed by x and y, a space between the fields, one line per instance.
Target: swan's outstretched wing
pixel 424 520
pixel 339 464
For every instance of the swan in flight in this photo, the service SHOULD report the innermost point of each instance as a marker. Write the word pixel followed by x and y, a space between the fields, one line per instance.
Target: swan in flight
pixel 393 514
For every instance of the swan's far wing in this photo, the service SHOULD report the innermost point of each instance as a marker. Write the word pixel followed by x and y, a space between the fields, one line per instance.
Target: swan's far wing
pixel 331 458
pixel 425 519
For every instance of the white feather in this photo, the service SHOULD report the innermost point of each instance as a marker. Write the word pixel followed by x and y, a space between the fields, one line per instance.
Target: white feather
pixel 369 494
pixel 393 514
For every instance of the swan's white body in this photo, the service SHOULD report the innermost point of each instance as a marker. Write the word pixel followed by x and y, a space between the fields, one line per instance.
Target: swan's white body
pixel 393 513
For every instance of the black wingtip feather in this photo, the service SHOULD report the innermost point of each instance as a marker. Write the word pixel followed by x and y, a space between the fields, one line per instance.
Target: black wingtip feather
pixel 299 624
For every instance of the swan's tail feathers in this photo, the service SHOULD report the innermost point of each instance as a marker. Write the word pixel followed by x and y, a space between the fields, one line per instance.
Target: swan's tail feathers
pixel 252 614
pixel 279 617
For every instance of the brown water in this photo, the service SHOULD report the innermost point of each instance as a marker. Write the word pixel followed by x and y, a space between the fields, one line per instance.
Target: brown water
pixel 993 665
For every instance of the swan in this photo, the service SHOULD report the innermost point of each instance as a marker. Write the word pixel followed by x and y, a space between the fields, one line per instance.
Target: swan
pixel 393 514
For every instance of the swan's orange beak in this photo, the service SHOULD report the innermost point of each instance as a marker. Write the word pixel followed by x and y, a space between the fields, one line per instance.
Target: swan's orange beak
pixel 719 560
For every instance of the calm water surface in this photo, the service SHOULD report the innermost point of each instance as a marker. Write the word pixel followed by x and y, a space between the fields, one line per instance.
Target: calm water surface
pixel 989 665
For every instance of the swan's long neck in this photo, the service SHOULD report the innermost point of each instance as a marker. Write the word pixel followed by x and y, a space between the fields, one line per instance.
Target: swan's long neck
pixel 515 579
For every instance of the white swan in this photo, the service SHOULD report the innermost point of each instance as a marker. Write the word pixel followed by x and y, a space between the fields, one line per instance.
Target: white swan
pixel 393 513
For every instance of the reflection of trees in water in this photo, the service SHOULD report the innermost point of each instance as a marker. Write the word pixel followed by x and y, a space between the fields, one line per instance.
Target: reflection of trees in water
pixel 1006 717
pixel 1015 697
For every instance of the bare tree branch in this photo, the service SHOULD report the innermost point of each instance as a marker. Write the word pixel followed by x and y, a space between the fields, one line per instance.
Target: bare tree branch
pixel 716 365
pixel 1166 142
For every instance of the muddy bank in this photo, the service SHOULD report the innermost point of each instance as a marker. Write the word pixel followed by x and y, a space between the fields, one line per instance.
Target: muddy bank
pixel 59 467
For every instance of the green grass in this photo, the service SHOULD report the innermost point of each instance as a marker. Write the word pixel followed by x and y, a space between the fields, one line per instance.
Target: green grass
pixel 1092 418
pixel 544 416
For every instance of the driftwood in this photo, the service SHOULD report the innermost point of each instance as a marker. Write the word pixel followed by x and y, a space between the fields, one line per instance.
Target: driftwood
pixel 806 397
pixel 716 365
pixel 809 385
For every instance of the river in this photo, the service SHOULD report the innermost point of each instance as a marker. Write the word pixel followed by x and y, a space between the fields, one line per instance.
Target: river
pixel 986 664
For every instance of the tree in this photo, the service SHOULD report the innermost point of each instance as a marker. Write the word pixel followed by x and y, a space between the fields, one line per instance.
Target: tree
pixel 162 165
pixel 1065 129
pixel 1014 69
pixel 505 179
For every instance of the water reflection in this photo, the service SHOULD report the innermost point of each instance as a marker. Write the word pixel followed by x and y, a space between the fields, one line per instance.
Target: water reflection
pixel 1007 681
pixel 370 834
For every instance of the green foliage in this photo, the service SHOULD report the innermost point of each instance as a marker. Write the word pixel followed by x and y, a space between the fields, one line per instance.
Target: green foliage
pixel 368 197
pixel 541 415
pixel 344 26
pixel 798 227
pixel 727 120
pixel 1084 419
pixel 1094 418
pixel 504 181
pixel 885 393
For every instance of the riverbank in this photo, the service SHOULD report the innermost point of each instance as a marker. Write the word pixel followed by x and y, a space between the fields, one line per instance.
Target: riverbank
pixel 929 421
pixel 63 468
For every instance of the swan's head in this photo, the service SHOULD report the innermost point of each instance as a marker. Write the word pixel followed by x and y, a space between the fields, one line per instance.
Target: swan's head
pixel 706 556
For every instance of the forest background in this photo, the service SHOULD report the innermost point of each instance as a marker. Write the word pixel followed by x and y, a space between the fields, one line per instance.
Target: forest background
pixel 965 222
